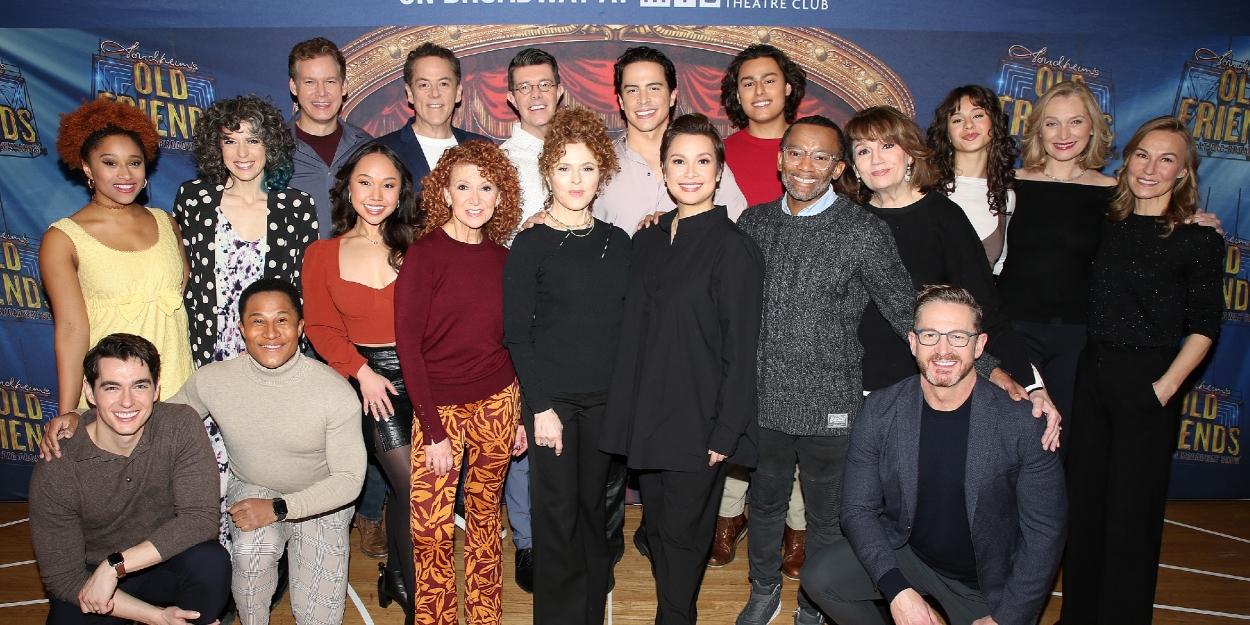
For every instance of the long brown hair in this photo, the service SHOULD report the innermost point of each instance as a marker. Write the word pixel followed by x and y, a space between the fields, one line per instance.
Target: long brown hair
pixel 1001 153
pixel 398 230
pixel 1185 198
pixel 1095 154
pixel 495 167
pixel 890 125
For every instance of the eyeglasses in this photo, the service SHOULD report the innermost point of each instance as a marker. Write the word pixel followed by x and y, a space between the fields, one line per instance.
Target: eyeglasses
pixel 956 338
pixel 820 160
pixel 525 88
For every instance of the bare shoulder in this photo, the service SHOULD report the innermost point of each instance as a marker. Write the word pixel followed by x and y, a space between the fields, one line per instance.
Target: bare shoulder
pixel 1099 179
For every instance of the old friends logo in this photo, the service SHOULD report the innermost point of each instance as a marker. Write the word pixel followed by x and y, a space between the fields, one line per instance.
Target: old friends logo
pixel 172 92
pixel 1213 99
pixel 1025 75
pixel 22 411
pixel 19 135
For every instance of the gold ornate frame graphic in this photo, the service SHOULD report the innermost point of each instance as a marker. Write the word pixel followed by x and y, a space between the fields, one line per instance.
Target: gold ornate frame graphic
pixel 832 62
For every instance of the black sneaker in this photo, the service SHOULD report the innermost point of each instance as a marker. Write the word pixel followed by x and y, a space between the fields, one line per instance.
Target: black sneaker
pixel 763 607
pixel 808 616
pixel 640 540
pixel 525 570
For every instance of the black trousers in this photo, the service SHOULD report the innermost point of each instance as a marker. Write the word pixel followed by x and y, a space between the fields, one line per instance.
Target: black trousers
pixel 1118 468
pixel 568 513
pixel 821 460
pixel 197 579
pixel 681 513
pixel 1055 349
pixel 838 583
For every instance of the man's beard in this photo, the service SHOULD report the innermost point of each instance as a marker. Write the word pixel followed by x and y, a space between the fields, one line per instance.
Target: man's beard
pixel 945 378
pixel 818 191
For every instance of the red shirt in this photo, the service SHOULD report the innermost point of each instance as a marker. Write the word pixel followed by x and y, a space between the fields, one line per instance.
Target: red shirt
pixel 754 163
pixel 323 146
pixel 449 326
pixel 338 314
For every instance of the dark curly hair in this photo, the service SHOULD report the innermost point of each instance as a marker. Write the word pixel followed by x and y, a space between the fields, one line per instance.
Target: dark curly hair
pixel 82 130
pixel 495 167
pixel 1000 165
pixel 399 230
pixel 889 125
pixel 577 126
pixel 794 75
pixel 228 116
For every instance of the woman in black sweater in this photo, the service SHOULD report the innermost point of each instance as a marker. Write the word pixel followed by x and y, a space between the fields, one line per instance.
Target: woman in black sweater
pixel 1156 284
pixel 938 245
pixel 563 294
pixel 683 396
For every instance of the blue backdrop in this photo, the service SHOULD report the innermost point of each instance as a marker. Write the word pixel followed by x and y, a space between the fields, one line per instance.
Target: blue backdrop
pixel 1143 59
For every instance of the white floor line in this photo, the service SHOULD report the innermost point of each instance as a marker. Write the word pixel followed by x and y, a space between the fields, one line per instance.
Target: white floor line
pixel 13 522
pixel 1202 572
pixel 360 605
pixel 5 566
pixel 1174 608
pixel 18 603
pixel 1199 529
pixel 609 608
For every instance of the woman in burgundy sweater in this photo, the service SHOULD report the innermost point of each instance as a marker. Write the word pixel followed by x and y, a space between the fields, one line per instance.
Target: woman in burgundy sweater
pixel 349 290
pixel 464 392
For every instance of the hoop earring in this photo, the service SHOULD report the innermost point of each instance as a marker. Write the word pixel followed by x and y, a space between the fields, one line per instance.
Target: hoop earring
pixel 91 183
pixel 145 183
pixel 907 176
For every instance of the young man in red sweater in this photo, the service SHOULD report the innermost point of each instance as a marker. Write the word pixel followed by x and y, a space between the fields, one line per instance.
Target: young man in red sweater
pixel 761 93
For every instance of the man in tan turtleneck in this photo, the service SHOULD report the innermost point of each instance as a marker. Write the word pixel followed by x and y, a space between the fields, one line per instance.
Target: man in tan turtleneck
pixel 292 430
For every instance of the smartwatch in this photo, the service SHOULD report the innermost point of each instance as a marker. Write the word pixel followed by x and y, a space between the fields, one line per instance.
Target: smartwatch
pixel 118 563
pixel 279 508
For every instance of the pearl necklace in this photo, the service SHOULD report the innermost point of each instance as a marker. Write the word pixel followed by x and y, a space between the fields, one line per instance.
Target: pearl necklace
pixel 1072 179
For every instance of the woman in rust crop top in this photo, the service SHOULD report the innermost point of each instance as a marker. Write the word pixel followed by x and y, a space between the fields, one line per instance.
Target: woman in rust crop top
pixel 349 290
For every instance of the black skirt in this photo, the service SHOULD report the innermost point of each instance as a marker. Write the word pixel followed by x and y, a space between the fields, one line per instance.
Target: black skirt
pixel 396 431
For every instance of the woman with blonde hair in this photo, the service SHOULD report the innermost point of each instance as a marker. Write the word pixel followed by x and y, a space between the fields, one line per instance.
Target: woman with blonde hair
pixel 564 295
pixel 1155 312
pixel 460 380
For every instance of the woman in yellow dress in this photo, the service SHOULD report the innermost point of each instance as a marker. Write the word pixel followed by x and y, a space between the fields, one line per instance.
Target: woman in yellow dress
pixel 115 265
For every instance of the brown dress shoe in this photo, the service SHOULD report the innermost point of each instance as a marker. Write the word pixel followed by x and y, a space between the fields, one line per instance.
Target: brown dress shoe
pixel 372 537
pixel 729 532
pixel 792 556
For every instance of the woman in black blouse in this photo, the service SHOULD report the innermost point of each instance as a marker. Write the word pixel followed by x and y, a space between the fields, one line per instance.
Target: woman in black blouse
pixel 563 296
pixel 683 396
pixel 239 220
pixel 1154 315
pixel 938 245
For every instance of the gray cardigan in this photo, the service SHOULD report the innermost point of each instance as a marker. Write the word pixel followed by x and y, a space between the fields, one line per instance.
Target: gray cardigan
pixel 1015 496
pixel 819 273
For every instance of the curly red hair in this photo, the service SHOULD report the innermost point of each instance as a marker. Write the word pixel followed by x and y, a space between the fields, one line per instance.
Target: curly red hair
pixel 78 127
pixel 495 167
pixel 577 125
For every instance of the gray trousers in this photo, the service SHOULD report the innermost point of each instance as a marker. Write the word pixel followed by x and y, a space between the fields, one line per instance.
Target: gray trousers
pixel 838 583
pixel 318 547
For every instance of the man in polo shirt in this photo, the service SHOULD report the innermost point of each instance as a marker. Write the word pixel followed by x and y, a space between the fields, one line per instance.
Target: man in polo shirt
pixel 323 142
pixel 127 515
pixel 432 83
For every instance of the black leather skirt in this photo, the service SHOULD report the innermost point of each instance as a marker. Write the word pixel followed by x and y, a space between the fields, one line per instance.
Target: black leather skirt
pixel 396 431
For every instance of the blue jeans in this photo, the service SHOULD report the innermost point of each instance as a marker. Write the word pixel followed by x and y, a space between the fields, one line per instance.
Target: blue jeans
pixel 516 492
pixel 373 495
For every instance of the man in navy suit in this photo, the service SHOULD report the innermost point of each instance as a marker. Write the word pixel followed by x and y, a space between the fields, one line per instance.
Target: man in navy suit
pixel 432 82
pixel 946 492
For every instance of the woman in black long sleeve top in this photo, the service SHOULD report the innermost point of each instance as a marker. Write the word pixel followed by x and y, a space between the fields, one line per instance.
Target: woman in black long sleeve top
pixel 1156 282
pixel 563 295
pixel 683 396
pixel 937 244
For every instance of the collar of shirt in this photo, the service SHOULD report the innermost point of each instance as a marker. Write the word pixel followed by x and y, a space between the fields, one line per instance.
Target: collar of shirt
pixel 815 208
pixel 523 141
pixel 524 150
pixel 81 447
pixel 694 223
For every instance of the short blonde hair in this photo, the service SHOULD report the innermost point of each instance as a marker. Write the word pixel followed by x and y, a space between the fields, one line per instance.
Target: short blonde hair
pixel 1033 151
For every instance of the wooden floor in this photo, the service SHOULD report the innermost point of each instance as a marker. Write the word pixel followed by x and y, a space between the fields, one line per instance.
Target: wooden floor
pixel 1214 589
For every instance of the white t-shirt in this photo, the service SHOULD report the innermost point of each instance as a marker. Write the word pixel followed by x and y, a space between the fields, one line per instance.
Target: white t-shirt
pixel 434 148
pixel 970 195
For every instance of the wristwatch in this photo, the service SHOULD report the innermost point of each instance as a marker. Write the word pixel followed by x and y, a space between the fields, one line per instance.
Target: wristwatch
pixel 279 508
pixel 118 563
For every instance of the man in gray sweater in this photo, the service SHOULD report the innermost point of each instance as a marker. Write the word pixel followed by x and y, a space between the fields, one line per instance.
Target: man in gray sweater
pixel 825 257
pixel 297 459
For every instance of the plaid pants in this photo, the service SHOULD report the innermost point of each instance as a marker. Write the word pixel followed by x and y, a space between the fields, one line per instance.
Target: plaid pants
pixel 483 431
pixel 319 548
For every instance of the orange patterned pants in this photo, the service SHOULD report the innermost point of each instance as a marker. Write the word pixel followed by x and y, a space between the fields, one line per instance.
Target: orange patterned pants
pixel 483 431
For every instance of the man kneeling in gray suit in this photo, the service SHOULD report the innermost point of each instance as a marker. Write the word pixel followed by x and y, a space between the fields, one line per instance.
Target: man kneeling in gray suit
pixel 946 492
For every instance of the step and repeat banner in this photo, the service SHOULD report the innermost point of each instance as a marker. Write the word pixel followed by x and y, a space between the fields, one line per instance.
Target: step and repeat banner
pixel 1142 61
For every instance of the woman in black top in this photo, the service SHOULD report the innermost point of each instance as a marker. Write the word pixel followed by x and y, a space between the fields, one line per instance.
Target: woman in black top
pixel 1061 202
pixel 683 395
pixel 563 296
pixel 1156 283
pixel 938 245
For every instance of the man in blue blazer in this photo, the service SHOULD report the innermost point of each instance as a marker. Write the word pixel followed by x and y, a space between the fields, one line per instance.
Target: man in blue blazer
pixel 947 492
pixel 432 83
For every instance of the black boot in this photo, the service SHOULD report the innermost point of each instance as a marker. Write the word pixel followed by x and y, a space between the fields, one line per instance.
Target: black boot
pixel 391 586
pixel 525 570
